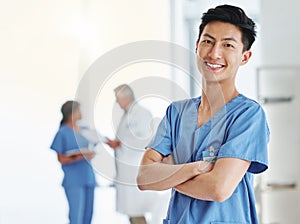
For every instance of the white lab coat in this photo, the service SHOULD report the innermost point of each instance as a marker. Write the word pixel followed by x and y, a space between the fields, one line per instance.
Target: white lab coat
pixel 134 131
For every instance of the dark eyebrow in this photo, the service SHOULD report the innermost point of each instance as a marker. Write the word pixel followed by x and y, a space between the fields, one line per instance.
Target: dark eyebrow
pixel 227 38
pixel 230 38
pixel 210 36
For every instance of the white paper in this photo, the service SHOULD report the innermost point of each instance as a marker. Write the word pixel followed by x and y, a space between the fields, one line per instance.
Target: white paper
pixel 73 152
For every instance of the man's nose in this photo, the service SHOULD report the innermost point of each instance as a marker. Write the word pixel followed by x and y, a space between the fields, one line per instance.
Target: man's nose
pixel 216 51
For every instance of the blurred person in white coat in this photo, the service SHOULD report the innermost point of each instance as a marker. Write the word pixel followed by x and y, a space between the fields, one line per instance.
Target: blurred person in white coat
pixel 133 133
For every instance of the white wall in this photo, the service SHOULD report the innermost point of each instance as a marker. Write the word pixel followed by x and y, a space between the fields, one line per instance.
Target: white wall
pixel 46 46
pixel 280 33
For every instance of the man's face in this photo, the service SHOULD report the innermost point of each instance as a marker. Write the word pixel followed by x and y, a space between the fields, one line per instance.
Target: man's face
pixel 123 101
pixel 220 52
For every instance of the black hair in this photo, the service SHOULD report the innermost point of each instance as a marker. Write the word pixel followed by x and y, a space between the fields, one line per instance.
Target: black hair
pixel 67 110
pixel 235 16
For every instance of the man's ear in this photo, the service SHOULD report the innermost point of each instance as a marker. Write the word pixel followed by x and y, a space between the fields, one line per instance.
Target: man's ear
pixel 246 56
pixel 197 42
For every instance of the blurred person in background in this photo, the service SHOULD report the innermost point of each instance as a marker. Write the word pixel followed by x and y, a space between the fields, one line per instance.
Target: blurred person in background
pixel 74 154
pixel 133 134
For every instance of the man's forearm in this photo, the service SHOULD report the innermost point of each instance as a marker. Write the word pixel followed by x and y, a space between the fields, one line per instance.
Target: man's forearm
pixel 161 176
pixel 219 184
pixel 160 173
pixel 199 187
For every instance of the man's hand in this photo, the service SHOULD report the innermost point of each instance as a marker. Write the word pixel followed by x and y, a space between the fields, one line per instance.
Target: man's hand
pixel 203 166
pixel 113 143
pixel 168 160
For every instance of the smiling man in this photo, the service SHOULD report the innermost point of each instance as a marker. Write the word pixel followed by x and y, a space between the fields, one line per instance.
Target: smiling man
pixel 208 148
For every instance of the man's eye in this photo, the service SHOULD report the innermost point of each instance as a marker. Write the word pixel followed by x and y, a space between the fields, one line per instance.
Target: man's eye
pixel 207 41
pixel 228 45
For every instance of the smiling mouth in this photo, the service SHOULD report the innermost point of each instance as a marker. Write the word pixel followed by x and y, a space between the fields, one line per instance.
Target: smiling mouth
pixel 214 66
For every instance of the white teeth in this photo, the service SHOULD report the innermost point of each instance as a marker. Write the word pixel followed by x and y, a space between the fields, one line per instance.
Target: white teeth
pixel 214 65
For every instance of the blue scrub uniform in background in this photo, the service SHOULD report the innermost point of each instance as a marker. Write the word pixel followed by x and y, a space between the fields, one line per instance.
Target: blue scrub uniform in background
pixel 79 179
pixel 237 130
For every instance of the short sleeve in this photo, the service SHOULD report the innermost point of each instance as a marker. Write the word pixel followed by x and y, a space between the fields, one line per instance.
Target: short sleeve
pixel 248 138
pixel 162 141
pixel 58 143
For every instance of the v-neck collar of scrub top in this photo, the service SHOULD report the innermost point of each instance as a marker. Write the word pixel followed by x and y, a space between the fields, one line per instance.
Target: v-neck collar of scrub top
pixel 220 114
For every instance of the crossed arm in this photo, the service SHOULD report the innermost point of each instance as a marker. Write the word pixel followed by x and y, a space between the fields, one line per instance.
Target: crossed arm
pixel 199 179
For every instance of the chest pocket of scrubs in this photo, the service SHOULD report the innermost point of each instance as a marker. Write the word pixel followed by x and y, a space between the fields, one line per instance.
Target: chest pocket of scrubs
pixel 210 154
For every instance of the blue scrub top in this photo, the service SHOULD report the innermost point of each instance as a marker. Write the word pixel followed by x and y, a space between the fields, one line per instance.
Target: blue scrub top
pixel 79 173
pixel 237 130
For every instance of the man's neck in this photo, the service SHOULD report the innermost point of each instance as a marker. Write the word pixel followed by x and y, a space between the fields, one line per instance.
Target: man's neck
pixel 215 97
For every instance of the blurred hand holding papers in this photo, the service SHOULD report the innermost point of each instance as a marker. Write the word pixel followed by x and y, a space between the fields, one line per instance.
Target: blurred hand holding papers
pixel 93 137
pixel 74 152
